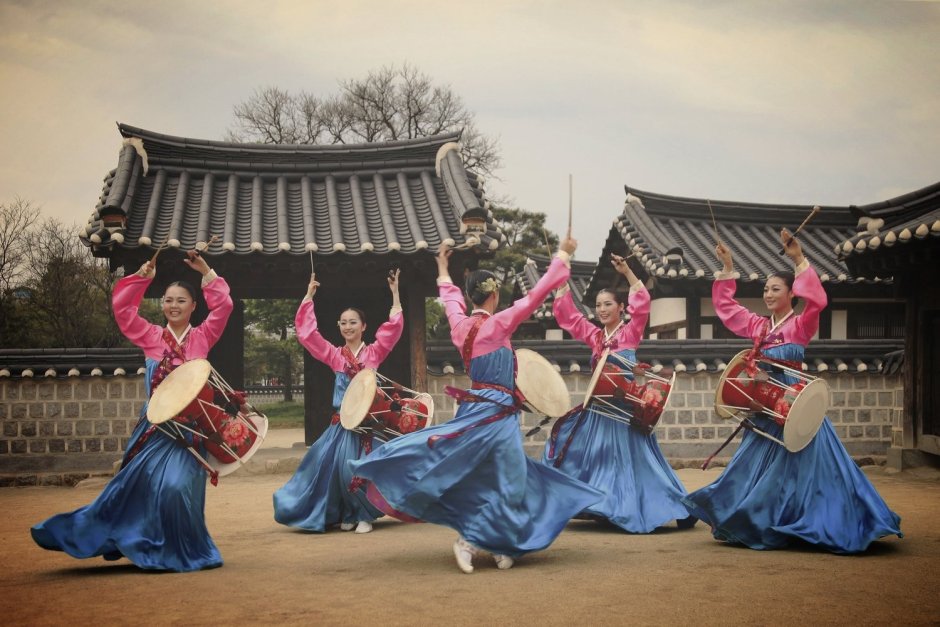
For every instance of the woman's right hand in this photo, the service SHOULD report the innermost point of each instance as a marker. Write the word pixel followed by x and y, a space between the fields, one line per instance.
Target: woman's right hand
pixel 569 245
pixel 312 287
pixel 443 255
pixel 148 270
pixel 724 255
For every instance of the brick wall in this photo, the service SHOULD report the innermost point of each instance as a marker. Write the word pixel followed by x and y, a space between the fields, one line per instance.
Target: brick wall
pixel 58 431
pixel 865 411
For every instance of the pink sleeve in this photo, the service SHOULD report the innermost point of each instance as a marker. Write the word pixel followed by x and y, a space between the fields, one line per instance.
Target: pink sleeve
pixel 739 320
pixel 456 309
pixel 807 286
pixel 309 337
pixel 386 336
pixel 508 319
pixel 570 319
pixel 216 293
pixel 125 300
pixel 638 306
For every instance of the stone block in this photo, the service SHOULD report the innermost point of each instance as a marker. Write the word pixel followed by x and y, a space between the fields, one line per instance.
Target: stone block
pixel 873 432
pixel 46 391
pixel 56 445
pixel 119 427
pixel 668 418
pixel 110 444
pixel 723 432
pixel 854 399
pixel 109 409
pixel 673 434
pixel 876 382
pixel 704 382
pixel 4 447
pixel 684 383
pixel 64 391
pixel 11 429
pixel 115 389
pixel 91 410
pixel 64 427
pixel 74 446
pixel 869 399
pixel 864 415
pixel 93 445
pixel 19 411
pixel 848 415
pixel 885 399
pixel 98 390
pixel 28 429
pixel 26 480
pixel 28 391
pixel 102 427
pixel 72 410
pixel 708 433
pixel 691 433
pixel 18 447
pixel 11 392
pixel 47 428
pixel 83 427
pixel 856 431
pixel 37 410
pixel 886 432
pixel 3 411
pixel 677 400
pixel 703 416
pixel 126 409
pixel 52 480
pixel 53 410
pixel 684 417
pixel 37 446
pixel 860 383
pixel 837 399
pixel 131 390
pixel 82 391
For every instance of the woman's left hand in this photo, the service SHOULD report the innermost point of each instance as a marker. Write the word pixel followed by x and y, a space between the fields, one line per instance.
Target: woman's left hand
pixel 791 246
pixel 196 262
pixel 619 263
pixel 393 280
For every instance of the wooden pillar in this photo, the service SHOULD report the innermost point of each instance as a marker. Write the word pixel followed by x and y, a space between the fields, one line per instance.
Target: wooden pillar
pixel 418 339
pixel 693 317
pixel 318 397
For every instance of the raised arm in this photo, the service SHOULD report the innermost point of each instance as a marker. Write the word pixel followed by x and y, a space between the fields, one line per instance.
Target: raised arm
pixel 125 301
pixel 806 285
pixel 389 332
pixel 737 318
pixel 308 334
pixel 571 320
pixel 638 306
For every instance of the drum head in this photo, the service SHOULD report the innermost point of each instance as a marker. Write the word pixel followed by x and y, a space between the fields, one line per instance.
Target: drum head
pixel 260 424
pixel 541 385
pixel 806 415
pixel 358 398
pixel 720 406
pixel 178 390
pixel 425 399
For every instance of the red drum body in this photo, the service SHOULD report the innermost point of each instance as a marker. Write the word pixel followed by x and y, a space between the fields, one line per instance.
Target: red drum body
pixel 214 414
pixel 800 407
pixel 634 396
pixel 374 403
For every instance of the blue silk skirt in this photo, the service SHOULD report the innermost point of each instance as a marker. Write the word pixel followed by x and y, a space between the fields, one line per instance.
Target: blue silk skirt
pixel 767 495
pixel 479 483
pixel 318 494
pixel 642 490
pixel 151 512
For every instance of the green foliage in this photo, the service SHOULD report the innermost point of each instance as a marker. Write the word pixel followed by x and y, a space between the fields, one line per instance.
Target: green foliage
pixel 271 350
pixel 525 235
pixel 284 415
pixel 435 319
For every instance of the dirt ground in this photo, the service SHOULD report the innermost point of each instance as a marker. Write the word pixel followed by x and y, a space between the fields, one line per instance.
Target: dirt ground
pixel 405 574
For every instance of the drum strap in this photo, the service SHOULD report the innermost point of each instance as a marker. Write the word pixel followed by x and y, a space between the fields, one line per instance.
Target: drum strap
pixel 466 351
pixel 464 396
pixel 352 364
pixel 556 428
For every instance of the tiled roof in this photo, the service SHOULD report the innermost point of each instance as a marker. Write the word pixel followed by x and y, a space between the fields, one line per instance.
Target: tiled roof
pixel 912 219
pixel 401 196
pixel 676 240
pixel 535 267
pixel 45 363
pixel 851 356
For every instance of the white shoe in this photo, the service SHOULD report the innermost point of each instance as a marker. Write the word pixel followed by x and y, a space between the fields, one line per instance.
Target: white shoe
pixel 364 526
pixel 347 526
pixel 463 551
pixel 503 562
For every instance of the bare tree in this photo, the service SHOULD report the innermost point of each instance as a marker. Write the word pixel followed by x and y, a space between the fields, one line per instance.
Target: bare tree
pixel 16 219
pixel 391 103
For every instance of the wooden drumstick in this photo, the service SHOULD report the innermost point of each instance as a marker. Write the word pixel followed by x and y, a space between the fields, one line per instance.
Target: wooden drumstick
pixel 312 270
pixel 793 235
pixel 570 202
pixel 714 224
pixel 153 260
pixel 548 245
pixel 209 243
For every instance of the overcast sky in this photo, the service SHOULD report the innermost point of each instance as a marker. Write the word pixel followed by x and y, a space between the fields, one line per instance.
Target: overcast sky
pixel 816 102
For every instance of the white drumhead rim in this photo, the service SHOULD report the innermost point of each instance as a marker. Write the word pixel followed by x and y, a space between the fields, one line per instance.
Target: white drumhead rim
pixel 721 408
pixel 806 415
pixel 428 402
pixel 595 377
pixel 260 422
pixel 357 401
pixel 178 390
pixel 541 385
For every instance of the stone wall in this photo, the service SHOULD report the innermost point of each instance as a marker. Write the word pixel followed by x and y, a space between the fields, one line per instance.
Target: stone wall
pixel 57 431
pixel 865 412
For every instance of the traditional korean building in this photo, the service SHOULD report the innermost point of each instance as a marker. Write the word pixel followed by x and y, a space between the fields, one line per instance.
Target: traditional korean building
pixel 900 238
pixel 353 211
